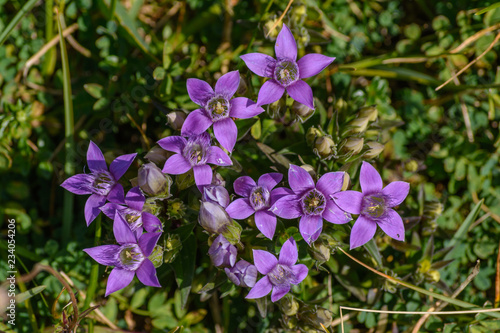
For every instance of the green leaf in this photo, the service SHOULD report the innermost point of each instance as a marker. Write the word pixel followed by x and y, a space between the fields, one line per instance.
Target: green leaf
pixel 183 267
pixel 487 9
pixel 244 125
pixel 29 293
pixel 26 8
pixel 94 89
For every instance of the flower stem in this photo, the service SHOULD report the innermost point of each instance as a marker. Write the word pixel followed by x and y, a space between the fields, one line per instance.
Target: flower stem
pixel 94 272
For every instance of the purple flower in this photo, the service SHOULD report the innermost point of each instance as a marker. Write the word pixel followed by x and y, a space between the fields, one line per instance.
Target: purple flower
pixel 101 183
pixel 285 72
pixel 311 202
pixel 216 194
pixel 222 253
pixel 217 108
pixel 193 153
pixel 130 257
pixel 257 198
pixel 373 205
pixel 133 213
pixel 243 274
pixel 279 274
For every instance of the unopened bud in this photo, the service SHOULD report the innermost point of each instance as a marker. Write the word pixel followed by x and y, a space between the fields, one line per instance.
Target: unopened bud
pixel 277 109
pixel 325 146
pixel 213 217
pixel 309 169
pixel 216 194
pixel 156 256
pixel 176 208
pixel 289 305
pixel 433 209
pixel 267 29
pixel 222 253
pixel 434 275
pixel 157 155
pixel 359 124
pixel 375 149
pixel 353 145
pixel 176 119
pixel 317 317
pixel 243 274
pixel 312 134
pixel 173 246
pixel 218 180
pixel 302 111
pixel 320 250
pixel 347 181
pixel 153 181
pixel 411 166
pixel 341 105
pixel 369 112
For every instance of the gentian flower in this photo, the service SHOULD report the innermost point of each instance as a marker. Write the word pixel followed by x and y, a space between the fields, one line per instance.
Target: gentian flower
pixel 130 257
pixel 217 108
pixel 374 206
pixel 243 274
pixel 133 213
pixel 212 215
pixel 257 198
pixel 279 274
pixel 101 183
pixel 285 72
pixel 216 194
pixel 222 253
pixel 193 153
pixel 311 202
pixel 153 181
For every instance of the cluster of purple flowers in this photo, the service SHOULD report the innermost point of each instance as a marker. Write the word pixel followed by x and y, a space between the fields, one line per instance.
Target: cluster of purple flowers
pixel 306 199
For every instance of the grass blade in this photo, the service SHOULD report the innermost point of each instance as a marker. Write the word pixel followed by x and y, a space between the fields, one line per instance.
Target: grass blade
pixel 26 8
pixel 487 9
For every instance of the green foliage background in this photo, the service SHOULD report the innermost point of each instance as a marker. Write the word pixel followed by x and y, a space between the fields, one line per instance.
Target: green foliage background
pixel 128 70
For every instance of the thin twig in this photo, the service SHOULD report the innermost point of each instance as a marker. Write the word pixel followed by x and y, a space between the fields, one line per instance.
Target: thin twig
pixel 77 46
pixel 280 18
pixel 485 208
pixel 497 279
pixel 144 137
pixel 474 37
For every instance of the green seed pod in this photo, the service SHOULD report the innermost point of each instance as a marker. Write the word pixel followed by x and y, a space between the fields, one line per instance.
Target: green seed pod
pixel 288 305
pixel 312 134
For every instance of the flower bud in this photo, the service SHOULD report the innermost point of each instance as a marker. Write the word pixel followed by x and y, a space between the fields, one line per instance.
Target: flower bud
pixel 218 180
pixel 302 111
pixel 347 181
pixel 173 246
pixel 375 149
pixel 320 250
pixel 222 253
pixel 157 155
pixel 325 146
pixel 153 181
pixel 433 209
pixel 216 194
pixel 411 166
pixel 312 134
pixel 359 124
pixel 315 316
pixel 176 208
pixel 277 109
pixel 309 169
pixel 353 145
pixel 289 305
pixel 369 112
pixel 243 274
pixel 341 105
pixel 176 119
pixel 213 217
pixel 156 256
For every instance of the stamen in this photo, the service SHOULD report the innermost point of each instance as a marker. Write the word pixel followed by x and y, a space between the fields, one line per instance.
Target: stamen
pixel 259 198
pixel 218 108
pixel 130 257
pixel 286 72
pixel 374 206
pixel 103 182
pixel 313 203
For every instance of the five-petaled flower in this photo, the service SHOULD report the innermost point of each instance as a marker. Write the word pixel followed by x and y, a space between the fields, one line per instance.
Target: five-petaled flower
pixel 130 257
pixel 101 183
pixel 242 274
pixel 193 153
pixel 311 202
pixel 257 198
pixel 217 108
pixel 279 274
pixel 374 206
pixel 285 72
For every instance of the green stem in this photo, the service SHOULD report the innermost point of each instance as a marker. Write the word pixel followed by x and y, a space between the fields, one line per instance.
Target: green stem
pixel 26 8
pixel 111 12
pixel 94 272
pixel 27 303
pixel 50 57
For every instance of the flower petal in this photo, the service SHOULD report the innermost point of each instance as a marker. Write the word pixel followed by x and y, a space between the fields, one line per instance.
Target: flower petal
pixel 173 143
pixel 226 132
pixel 95 158
pixel 92 207
pixel 202 175
pixel 349 201
pixel 227 84
pixel 196 123
pixel 146 273
pixel 362 231
pixel 199 91
pixel 310 227
pixel 240 209
pixel 264 261
pixel 104 254
pixel 279 291
pixel 334 214
pixel 151 223
pixel 116 194
pixel 302 93
pixel 312 64
pixel 266 223
pixel 135 199
pixel 270 180
pixel 300 272
pixel 395 193
pixel 299 179
pixel 176 165
pixel 244 108
pixel 118 279
pixel 217 156
pixel 261 288
pixel 279 193
pixel 110 209
pixel 287 207
pixel 259 63
pixel 122 231
pixel 289 253
pixel 78 184
pixel 147 242
pixel 285 46
pixel 330 183
pixel 392 224
pixel 244 185
pixel 270 92
pixel 370 179
pixel 121 164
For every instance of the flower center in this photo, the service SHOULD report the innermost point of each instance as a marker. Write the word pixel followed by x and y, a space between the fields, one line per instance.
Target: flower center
pixel 195 151
pixel 259 198
pixel 313 202
pixel 103 182
pixel 286 72
pixel 130 257
pixel 218 108
pixel 373 206
pixel 132 217
pixel 282 275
